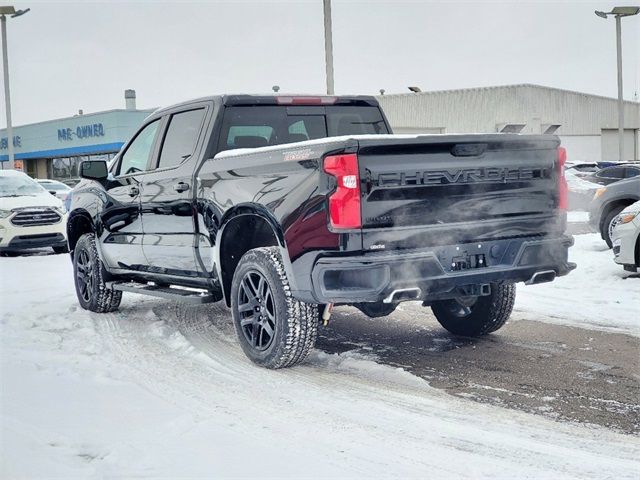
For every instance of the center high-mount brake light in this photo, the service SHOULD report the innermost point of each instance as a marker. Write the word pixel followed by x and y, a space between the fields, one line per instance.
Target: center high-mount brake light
pixel 306 100
pixel 344 203
pixel 563 188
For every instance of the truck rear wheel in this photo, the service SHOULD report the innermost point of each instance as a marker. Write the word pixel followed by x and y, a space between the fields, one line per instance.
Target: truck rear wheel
pixel 476 316
pixel 274 329
pixel 90 278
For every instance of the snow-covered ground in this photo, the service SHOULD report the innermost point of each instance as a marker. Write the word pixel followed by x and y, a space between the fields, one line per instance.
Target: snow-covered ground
pixel 597 294
pixel 162 390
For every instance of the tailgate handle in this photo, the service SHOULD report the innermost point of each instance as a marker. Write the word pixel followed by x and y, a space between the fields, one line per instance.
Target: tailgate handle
pixel 468 149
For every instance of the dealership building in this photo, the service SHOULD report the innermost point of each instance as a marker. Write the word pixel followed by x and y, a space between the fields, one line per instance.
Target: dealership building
pixel 54 148
pixel 586 124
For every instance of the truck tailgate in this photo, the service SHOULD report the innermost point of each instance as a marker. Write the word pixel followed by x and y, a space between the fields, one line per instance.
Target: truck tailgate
pixel 449 189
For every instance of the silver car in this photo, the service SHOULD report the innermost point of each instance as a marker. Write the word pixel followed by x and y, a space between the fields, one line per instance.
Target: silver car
pixel 625 237
pixel 61 190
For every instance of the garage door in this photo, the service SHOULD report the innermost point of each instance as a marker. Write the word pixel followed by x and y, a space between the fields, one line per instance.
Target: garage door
pixel 610 144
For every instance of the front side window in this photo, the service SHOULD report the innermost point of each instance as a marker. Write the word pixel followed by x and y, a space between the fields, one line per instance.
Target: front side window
pixel 136 158
pixel 615 172
pixel 181 138
pixel 632 172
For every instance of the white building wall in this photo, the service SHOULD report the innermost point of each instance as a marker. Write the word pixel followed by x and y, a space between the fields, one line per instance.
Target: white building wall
pixel 581 117
pixel 582 148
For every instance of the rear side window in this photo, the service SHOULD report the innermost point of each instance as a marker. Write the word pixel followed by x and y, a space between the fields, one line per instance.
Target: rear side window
pixel 261 126
pixel 614 172
pixel 181 137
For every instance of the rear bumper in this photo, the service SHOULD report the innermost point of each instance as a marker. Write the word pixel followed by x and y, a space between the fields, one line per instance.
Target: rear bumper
pixel 438 272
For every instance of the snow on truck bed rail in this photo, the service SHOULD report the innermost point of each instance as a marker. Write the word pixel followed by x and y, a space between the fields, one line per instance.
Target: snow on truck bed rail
pixel 236 152
pixel 163 390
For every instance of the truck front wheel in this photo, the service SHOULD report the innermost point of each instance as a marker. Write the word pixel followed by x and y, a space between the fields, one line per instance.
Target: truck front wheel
pixel 476 316
pixel 90 278
pixel 274 329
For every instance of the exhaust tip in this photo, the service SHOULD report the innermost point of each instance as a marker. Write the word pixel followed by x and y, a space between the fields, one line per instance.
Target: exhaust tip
pixel 402 294
pixel 541 277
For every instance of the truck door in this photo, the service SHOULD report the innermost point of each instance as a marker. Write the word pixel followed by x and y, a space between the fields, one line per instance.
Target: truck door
pixel 122 238
pixel 167 199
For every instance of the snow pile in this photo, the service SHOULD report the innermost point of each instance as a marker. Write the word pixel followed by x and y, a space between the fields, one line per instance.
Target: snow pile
pixel 163 390
pixel 597 294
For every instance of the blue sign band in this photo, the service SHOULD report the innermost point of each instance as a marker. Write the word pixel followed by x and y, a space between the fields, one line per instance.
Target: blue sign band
pixel 67 152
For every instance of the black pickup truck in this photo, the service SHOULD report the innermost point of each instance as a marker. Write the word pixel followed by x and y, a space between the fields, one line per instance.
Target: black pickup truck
pixel 284 206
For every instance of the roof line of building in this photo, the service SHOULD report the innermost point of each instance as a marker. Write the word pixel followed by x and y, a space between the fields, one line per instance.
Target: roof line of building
pixel 147 110
pixel 494 87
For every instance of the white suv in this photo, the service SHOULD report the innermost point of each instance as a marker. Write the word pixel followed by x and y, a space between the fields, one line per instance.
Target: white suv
pixel 30 216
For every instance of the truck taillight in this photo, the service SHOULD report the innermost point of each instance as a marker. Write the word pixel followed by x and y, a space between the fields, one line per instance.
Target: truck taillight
pixel 563 188
pixel 344 203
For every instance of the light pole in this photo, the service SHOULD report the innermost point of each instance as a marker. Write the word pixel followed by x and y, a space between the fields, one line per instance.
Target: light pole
pixel 4 11
pixel 328 46
pixel 618 13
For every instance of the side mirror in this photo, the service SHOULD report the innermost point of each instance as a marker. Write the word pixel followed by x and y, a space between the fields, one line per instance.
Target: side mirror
pixel 94 169
pixel 52 192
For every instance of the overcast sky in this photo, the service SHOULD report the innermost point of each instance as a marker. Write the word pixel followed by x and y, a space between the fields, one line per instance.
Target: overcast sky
pixel 70 55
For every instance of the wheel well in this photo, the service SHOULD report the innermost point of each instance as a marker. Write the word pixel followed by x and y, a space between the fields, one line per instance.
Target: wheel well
pixel 618 203
pixel 242 234
pixel 77 226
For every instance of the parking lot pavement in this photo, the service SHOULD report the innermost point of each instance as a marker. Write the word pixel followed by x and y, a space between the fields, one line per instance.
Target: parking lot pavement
pixel 566 373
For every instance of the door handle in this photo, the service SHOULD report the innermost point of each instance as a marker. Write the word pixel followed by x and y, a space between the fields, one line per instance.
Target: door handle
pixel 133 191
pixel 181 187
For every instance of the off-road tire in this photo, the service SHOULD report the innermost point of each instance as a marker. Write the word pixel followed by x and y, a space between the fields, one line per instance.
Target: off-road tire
pixel 296 322
pixel 62 249
pixel 604 229
pixel 100 299
pixel 486 315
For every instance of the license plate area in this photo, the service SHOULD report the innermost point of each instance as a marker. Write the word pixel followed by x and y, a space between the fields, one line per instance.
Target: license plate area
pixel 466 261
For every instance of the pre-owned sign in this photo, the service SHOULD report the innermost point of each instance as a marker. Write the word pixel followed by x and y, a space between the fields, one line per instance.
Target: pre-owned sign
pixel 81 131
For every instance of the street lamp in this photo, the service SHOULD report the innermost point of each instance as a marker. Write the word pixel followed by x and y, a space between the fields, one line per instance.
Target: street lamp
pixel 328 46
pixel 620 12
pixel 4 11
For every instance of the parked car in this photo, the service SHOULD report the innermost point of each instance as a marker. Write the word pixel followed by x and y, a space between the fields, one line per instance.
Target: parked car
pixel 625 237
pixel 244 199
pixel 608 175
pixel 71 182
pixel 609 201
pixel 30 217
pixel 580 190
pixel 581 169
pixel 59 189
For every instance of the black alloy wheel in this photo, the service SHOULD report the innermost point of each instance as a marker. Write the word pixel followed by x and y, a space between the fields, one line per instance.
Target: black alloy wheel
pixel 257 310
pixel 84 275
pixel 90 278
pixel 275 330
